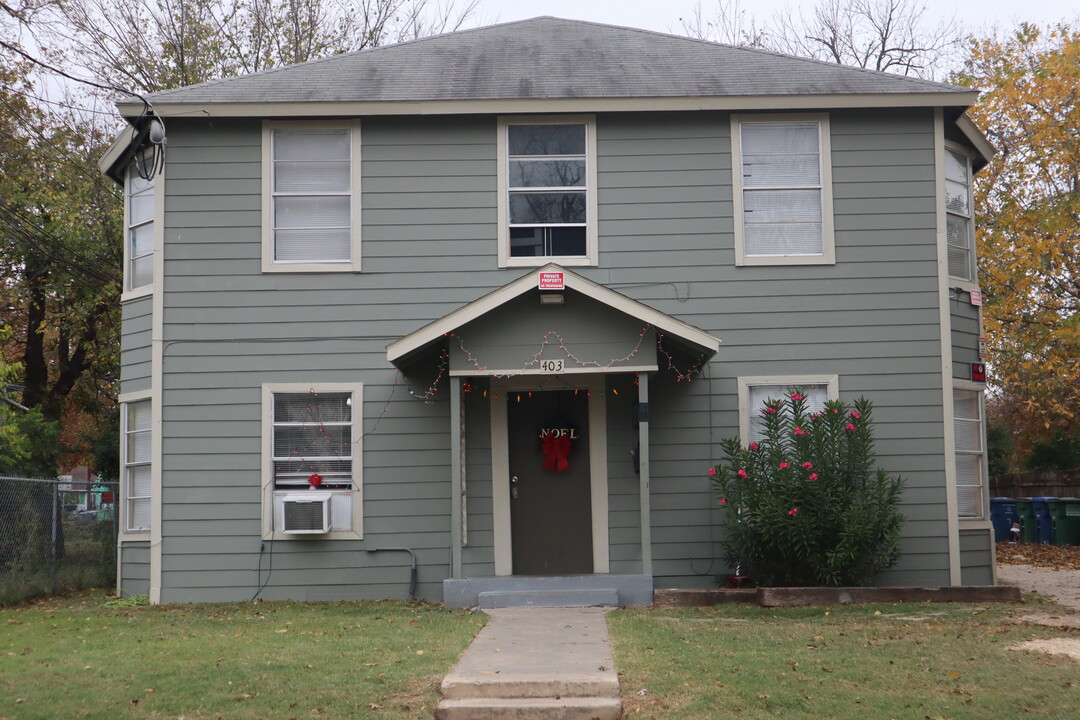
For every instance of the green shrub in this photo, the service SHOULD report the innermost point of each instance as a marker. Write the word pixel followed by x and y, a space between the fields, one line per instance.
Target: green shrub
pixel 804 506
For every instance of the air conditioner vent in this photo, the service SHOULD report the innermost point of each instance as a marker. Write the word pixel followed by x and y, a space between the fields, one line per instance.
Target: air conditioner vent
pixel 307 513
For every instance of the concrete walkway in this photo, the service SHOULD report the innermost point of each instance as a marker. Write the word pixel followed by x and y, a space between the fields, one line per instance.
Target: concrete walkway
pixel 535 664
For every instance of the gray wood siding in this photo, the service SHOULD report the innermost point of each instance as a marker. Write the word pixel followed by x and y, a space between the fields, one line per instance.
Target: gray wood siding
pixel 135 321
pixel 976 557
pixel 134 568
pixel 429 205
pixel 965 337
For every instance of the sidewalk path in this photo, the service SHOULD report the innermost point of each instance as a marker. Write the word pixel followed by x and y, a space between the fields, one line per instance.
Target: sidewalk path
pixel 533 664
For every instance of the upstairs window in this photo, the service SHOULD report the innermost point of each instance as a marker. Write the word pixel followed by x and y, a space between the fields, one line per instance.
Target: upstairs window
pixel 959 226
pixel 140 228
pixel 548 205
pixel 782 190
pixel 311 196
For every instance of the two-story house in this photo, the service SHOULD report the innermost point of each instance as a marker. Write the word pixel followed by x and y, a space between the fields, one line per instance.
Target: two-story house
pixel 470 314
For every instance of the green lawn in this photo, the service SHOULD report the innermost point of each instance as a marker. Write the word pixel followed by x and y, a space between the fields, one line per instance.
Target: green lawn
pixel 865 662
pixel 73 658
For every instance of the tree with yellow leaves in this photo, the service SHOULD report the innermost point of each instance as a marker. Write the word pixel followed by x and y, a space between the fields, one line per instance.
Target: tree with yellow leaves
pixel 1028 210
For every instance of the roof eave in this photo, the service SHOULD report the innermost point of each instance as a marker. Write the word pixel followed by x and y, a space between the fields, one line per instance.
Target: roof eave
pixel 310 108
pixel 976 137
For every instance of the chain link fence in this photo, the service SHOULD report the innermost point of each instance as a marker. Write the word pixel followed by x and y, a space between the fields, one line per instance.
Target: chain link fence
pixel 56 536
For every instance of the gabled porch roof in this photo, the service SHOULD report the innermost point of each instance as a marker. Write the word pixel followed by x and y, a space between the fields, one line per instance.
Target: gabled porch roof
pixel 400 351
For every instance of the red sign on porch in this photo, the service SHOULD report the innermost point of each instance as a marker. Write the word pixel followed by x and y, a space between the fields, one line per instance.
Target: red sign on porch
pixel 552 281
pixel 978 372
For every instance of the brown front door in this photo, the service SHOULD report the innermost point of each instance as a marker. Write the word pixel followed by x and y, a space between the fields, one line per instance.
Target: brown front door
pixel 550 492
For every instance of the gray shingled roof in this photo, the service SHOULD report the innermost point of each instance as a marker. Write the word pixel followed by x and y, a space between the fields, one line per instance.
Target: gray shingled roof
pixel 546 58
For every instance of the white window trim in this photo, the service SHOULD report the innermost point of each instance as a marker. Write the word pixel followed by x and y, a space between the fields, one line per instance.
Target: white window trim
pixel 503 215
pixel 831 381
pixel 268 390
pixel 974 522
pixel 268 263
pixel 828 256
pixel 158 221
pixel 965 283
pixel 125 534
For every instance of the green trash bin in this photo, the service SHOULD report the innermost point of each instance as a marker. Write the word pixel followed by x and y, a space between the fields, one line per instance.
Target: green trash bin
pixel 1028 531
pixel 1066 516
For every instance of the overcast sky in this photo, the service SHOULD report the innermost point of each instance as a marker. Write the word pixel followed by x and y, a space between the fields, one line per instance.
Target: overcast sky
pixel 664 16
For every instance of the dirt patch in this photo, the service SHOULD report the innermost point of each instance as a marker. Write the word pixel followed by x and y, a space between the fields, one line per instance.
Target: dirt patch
pixel 1052 646
pixel 1061 585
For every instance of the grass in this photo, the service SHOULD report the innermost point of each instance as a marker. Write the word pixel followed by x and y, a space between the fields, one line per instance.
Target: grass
pixel 858 662
pixel 75 658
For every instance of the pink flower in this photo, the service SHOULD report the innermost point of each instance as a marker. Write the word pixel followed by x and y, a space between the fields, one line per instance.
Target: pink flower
pixel 754 446
pixel 712 472
pixel 855 414
pixel 849 426
pixel 813 476
pixel 797 396
pixel 836 412
pixel 783 466
pixel 808 465
pixel 793 512
pixel 723 501
pixel 799 431
pixel 816 416
pixel 769 410
pixel 742 474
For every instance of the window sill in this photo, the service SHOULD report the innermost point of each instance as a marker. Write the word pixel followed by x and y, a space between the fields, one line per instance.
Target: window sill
pixel 542 260
pixel 133 536
pixel 975 524
pixel 140 292
pixel 765 260
pixel 344 267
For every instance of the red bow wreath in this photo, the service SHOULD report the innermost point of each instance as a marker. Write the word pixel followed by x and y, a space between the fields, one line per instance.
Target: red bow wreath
pixel 555 451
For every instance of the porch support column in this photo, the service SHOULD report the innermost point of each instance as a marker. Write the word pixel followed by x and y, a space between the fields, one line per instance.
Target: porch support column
pixel 455 477
pixel 643 476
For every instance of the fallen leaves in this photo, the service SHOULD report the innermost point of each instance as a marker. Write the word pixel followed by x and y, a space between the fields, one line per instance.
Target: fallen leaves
pixel 1058 557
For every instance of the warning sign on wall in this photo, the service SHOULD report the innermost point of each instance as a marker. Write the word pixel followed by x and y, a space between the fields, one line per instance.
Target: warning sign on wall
pixel 552 281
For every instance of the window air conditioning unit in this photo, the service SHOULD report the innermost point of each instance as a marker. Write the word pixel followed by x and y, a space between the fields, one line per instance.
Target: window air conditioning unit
pixel 305 513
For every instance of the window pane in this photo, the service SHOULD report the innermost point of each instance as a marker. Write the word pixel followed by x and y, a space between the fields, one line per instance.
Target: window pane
pixel 312 407
pixel 546 139
pixel 311 145
pixel 968 501
pixel 545 208
pixel 783 239
pixel 138 416
pixel 781 170
pixel 956 167
pixel 770 206
pixel 139 481
pixel 957 229
pixel 547 173
pixel 139 514
pixel 966 404
pixel 142 240
pixel 141 208
pixel 527 242
pixel 566 241
pixel 135 182
pixel 956 198
pixel 138 446
pixel 330 245
pixel 757 395
pixel 142 271
pixel 311 441
pixel 779 138
pixel 295 473
pixel 311 176
pixel 311 212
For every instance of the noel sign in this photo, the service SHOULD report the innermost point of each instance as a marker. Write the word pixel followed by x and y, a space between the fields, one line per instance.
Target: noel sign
pixel 556 443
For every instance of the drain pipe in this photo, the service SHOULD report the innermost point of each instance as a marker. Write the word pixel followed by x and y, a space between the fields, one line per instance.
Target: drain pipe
pixel 412 571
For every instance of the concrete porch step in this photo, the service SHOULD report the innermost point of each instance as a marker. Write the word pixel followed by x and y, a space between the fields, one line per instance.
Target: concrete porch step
pixel 575 708
pixel 595 597
pixel 600 683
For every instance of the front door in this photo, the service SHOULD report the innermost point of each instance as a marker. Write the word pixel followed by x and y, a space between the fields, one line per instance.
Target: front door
pixel 550 491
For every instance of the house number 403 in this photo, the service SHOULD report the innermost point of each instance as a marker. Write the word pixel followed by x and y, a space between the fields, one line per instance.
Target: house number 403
pixel 551 366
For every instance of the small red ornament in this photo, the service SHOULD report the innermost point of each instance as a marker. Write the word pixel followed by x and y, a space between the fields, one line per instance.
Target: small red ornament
pixel 315 479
